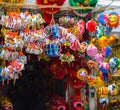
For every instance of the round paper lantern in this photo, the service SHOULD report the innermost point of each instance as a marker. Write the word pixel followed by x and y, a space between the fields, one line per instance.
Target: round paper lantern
pixel 92 64
pixel 106 51
pixel 91 25
pixel 103 41
pixel 92 50
pixel 99 58
pixel 103 18
pixel 104 65
pixel 114 62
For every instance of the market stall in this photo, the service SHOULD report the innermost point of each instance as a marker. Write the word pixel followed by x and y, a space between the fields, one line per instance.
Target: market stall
pixel 67 56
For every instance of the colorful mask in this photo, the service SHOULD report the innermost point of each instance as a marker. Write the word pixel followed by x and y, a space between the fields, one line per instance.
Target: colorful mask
pixel 113 20
pixel 5 103
pixel 82 74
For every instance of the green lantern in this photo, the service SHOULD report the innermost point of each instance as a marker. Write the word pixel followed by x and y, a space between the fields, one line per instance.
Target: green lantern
pixel 84 3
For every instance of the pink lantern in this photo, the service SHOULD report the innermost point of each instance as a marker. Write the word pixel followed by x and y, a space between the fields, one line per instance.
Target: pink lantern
pixel 104 65
pixel 99 58
pixel 92 50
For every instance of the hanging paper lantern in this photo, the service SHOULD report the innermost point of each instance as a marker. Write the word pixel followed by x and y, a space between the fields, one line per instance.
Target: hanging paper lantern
pixel 100 31
pixel 53 50
pixel 5 103
pixel 82 74
pixel 102 92
pixel 99 82
pixel 67 58
pixel 92 50
pixel 103 101
pixel 83 46
pixel 55 31
pixel 91 3
pixel 104 65
pixel 58 70
pixel 92 64
pixel 113 89
pixel 103 41
pixel 91 26
pixel 99 58
pixel 114 62
pixel 104 75
pixel 76 103
pixel 107 51
pixel 81 25
pixel 113 20
pixel 48 31
pixel 91 81
pixel 112 39
pixel 107 30
pixel 76 83
pixel 49 11
pixel 103 18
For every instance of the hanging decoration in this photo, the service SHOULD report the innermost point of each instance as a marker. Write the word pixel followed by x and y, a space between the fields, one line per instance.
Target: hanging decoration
pixel 48 12
pixel 67 58
pixel 5 103
pixel 83 3
pixel 12 1
pixel 113 20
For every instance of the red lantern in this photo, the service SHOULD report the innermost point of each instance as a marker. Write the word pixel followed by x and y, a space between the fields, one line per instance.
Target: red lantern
pixel 58 70
pixel 91 25
pixel 49 11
